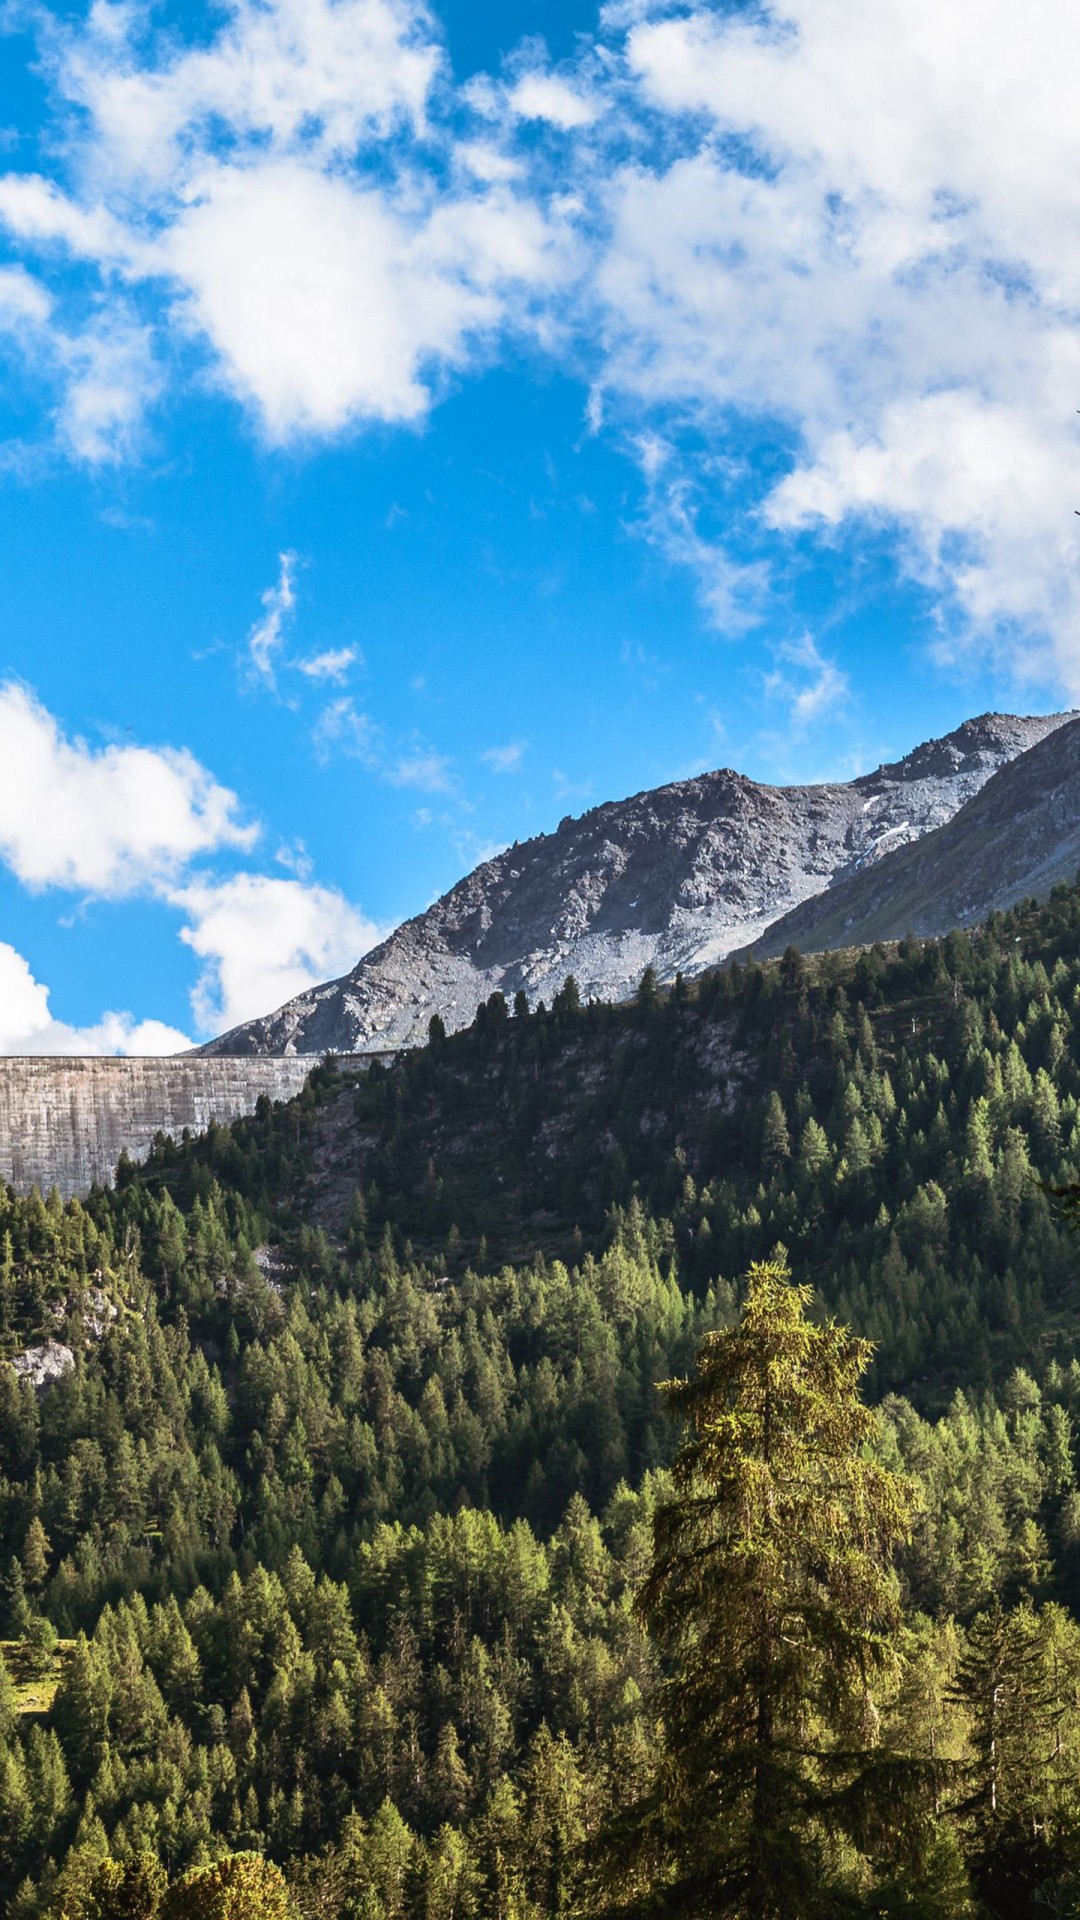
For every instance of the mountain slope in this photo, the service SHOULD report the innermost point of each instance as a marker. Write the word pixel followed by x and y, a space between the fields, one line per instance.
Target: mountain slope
pixel 1018 836
pixel 893 1119
pixel 676 878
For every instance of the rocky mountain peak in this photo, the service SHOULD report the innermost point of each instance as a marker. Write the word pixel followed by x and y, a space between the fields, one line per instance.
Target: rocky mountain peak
pixel 676 877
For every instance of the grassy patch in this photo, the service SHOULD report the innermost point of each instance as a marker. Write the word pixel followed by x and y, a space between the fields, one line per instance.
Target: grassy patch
pixel 35 1681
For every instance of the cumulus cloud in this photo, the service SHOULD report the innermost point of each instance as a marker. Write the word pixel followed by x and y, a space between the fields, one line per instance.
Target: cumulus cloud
pixel 27 1025
pixel 545 96
pixel 105 821
pixel 264 939
pixel 235 175
pixel 315 73
pixel 859 245
pixel 119 820
pixel 321 304
pixel 839 238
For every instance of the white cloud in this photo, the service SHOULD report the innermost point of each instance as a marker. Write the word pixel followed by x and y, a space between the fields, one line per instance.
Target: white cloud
pixel 419 767
pixel 936 464
pixel 106 821
pixel 731 592
pixel 102 373
pixel 266 636
pixel 328 303
pixel 24 302
pixel 341 728
pixel 505 759
pixel 846 234
pixel 811 686
pixel 34 208
pixel 234 177
pixel 110 379
pixel 544 96
pixel 322 73
pixel 263 940
pixel 122 819
pixel 487 162
pixel 333 665
pixel 27 1026
pixel 862 245
pixel 323 305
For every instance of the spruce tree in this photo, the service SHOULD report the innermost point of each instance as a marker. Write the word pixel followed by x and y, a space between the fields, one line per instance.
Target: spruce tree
pixel 35 1555
pixel 775 1139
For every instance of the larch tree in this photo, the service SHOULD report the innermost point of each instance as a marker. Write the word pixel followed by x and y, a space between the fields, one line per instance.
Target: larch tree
pixel 771 1597
pixel 241 1887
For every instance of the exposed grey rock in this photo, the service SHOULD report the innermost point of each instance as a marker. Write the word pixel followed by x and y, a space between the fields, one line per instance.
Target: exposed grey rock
pixel 677 879
pixel 1017 837
pixel 44 1365
pixel 99 1313
pixel 272 1267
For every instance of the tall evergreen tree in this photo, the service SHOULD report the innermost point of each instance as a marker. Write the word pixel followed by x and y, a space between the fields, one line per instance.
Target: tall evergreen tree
pixel 770 1594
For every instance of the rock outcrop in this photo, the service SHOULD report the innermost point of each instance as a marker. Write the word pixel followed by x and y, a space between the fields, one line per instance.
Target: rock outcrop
pixel 676 878
pixel 43 1366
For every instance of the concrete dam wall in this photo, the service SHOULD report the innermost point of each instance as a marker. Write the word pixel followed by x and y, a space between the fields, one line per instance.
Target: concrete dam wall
pixel 65 1122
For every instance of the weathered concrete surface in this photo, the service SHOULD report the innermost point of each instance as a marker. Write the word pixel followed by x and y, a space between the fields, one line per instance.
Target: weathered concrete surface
pixel 64 1122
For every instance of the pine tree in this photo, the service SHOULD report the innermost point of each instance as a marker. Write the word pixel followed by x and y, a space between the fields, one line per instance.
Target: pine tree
pixel 568 999
pixel 648 992
pixel 771 1596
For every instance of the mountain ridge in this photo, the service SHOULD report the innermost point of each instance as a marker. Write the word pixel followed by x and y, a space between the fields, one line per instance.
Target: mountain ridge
pixel 676 877
pixel 1019 834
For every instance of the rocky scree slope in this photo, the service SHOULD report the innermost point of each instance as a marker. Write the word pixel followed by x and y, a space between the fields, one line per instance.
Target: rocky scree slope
pixel 676 878
pixel 1019 836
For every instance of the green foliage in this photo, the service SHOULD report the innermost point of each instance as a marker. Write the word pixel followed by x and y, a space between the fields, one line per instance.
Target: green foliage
pixel 132 1891
pixel 342 1512
pixel 243 1887
pixel 770 1592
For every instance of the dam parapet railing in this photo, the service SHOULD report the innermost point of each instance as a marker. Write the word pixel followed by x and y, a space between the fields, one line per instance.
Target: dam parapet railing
pixel 66 1119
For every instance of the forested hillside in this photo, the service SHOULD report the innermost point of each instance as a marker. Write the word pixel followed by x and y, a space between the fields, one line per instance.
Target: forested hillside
pixel 328 1548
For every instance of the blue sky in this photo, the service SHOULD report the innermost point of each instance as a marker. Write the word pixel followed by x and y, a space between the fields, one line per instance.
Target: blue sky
pixel 416 426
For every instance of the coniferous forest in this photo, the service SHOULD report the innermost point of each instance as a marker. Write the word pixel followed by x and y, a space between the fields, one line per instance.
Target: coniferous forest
pixel 616 1461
